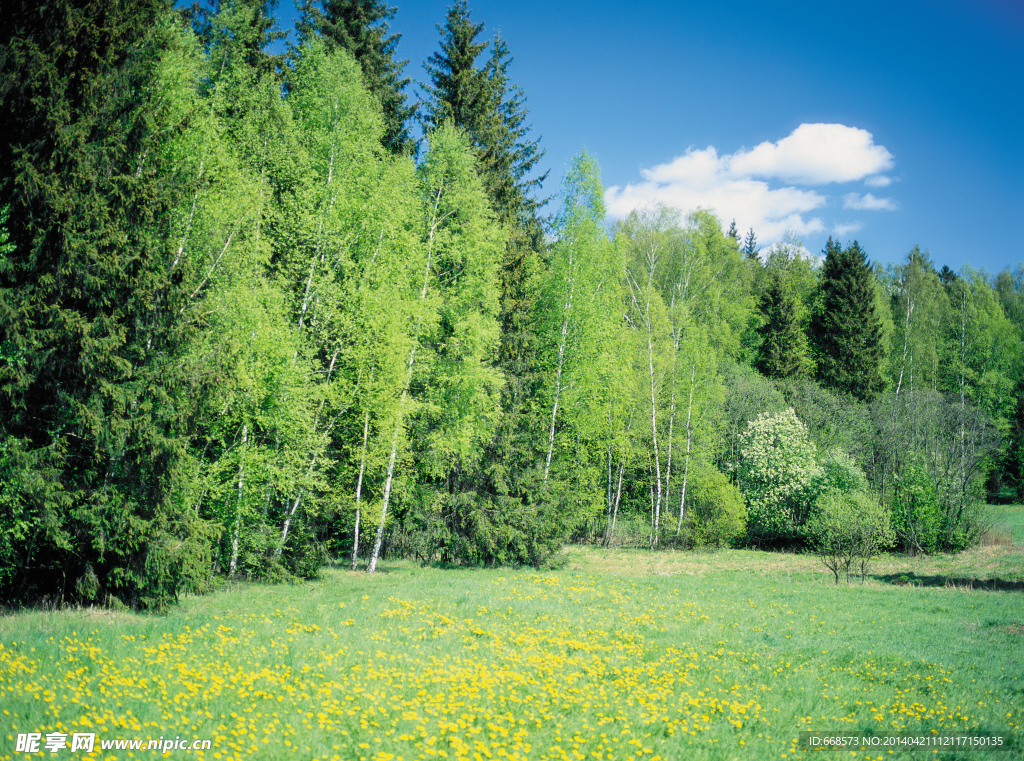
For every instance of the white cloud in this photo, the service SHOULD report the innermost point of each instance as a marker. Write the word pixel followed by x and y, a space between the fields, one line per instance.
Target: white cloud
pixel 736 186
pixel 771 212
pixel 868 202
pixel 814 154
pixel 878 181
pixel 841 230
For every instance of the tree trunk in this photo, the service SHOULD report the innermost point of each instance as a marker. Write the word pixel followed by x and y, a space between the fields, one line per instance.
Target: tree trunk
pixel 435 221
pixel 562 340
pixel 238 508
pixel 689 440
pixel 359 491
pixel 391 467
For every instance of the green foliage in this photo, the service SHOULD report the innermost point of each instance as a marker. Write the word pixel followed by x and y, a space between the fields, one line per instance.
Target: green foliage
pixel 787 285
pixel 747 395
pixel 94 107
pixel 573 318
pixel 839 473
pixel 926 435
pixel 834 421
pixel 750 245
pixel 714 282
pixel 917 517
pixel 784 350
pixel 361 28
pixel 778 475
pixel 848 527
pixel 921 312
pixel 238 33
pixel 716 515
pixel 481 100
pixel 1013 457
pixel 240 329
pixel 846 328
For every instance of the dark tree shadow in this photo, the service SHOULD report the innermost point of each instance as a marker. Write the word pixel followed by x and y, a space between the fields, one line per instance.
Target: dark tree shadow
pixel 949 582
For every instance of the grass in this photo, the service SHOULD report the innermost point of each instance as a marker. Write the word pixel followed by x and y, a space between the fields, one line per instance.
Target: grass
pixel 621 654
pixel 1009 519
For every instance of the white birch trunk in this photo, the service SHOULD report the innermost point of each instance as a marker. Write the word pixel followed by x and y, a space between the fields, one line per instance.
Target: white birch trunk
pixel 435 221
pixel 359 491
pixel 238 507
pixel 291 513
pixel 391 468
pixel 689 440
pixel 656 517
pixel 563 339
pixel 906 337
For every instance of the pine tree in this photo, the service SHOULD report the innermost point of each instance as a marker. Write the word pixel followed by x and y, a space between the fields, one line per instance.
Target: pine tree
pixel 846 330
pixel 361 28
pixel 734 233
pixel 94 402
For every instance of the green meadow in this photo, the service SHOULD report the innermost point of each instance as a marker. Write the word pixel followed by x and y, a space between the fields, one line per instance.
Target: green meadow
pixel 618 654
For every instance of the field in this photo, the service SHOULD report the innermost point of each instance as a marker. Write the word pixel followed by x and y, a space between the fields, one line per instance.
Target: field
pixel 620 654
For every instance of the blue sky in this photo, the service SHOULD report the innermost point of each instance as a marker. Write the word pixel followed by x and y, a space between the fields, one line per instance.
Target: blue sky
pixel 893 122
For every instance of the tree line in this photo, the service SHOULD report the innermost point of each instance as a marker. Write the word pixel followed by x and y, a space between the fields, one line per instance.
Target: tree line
pixel 249 324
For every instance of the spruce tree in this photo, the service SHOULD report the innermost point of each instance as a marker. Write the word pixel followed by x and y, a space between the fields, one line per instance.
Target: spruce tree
pixel 783 352
pixel 846 330
pixel 750 245
pixel 247 27
pixel 479 97
pixel 91 299
pixel 361 28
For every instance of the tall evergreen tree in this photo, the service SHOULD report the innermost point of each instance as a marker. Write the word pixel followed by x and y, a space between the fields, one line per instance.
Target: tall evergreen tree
pixel 249 27
pixel 750 245
pixel 784 351
pixel 846 330
pixel 361 28
pixel 90 302
pixel 478 96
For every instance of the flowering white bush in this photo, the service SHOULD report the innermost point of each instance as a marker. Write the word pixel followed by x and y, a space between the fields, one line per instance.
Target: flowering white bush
pixel 778 475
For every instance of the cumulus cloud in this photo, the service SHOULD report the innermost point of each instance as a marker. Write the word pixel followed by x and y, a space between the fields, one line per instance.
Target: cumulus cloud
pixel 815 154
pixel 868 202
pixel 739 185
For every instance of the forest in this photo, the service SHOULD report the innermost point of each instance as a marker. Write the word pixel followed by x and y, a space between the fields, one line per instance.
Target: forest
pixel 262 312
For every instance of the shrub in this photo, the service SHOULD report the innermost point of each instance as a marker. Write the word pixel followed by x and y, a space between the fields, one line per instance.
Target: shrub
pixel 917 516
pixel 778 476
pixel 846 528
pixel 716 514
pixel 841 473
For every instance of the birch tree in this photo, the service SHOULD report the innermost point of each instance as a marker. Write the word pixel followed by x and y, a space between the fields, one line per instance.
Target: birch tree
pixel 571 287
pixel 643 237
pixel 454 329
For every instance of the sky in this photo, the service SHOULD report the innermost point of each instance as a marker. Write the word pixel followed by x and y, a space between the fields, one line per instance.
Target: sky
pixel 891 122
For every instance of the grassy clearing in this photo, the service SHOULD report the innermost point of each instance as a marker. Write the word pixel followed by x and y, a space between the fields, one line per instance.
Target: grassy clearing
pixel 1009 518
pixel 622 654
